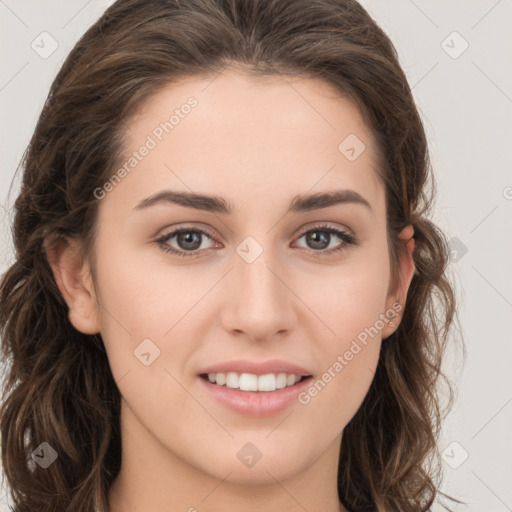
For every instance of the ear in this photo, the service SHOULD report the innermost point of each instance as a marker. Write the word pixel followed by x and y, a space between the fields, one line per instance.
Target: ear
pixel 74 279
pixel 407 268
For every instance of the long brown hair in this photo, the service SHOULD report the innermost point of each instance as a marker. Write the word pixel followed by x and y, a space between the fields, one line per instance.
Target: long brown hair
pixel 59 388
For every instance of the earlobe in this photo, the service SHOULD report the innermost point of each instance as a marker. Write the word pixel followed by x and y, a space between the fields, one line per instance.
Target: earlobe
pixel 73 277
pixel 406 273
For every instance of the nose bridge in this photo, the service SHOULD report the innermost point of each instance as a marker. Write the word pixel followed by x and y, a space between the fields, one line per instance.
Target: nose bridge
pixel 260 303
pixel 257 283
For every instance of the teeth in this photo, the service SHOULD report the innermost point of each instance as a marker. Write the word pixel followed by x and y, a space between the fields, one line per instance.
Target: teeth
pixel 281 380
pixel 252 382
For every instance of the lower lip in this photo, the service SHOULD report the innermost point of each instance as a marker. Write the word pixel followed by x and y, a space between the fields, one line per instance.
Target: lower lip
pixel 256 403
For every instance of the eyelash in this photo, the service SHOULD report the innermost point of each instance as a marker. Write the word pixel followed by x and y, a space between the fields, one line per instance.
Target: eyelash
pixel 347 238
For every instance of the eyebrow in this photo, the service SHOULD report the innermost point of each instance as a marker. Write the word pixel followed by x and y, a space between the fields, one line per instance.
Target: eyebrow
pixel 215 204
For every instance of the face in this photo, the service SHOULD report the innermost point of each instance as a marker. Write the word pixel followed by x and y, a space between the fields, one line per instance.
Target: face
pixel 253 279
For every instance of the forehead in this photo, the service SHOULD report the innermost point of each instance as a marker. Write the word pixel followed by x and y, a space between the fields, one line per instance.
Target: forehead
pixel 241 134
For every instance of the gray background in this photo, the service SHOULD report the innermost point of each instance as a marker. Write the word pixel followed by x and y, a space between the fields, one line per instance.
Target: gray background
pixel 465 100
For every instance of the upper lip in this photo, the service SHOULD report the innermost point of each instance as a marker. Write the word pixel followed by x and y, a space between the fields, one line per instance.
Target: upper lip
pixel 257 367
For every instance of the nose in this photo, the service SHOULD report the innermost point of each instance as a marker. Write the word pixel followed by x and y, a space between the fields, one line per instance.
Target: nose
pixel 260 303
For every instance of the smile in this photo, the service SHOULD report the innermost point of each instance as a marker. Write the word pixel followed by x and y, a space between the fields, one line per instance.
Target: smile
pixel 268 399
pixel 252 382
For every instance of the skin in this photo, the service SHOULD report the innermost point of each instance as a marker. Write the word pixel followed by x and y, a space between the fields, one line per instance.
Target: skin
pixel 258 143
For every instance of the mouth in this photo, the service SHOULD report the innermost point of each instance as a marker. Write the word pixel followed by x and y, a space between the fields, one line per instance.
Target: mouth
pixel 254 395
pixel 251 382
pixel 255 388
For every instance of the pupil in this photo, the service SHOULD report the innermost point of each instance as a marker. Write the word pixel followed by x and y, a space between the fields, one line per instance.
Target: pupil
pixel 315 240
pixel 189 240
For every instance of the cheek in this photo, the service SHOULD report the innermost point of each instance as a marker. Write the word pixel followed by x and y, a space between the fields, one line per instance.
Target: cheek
pixel 138 291
pixel 146 342
pixel 136 304
pixel 347 298
pixel 350 357
pixel 351 305
pixel 133 299
pixel 335 396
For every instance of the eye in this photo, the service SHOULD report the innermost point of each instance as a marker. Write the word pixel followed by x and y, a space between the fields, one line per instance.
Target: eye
pixel 190 240
pixel 320 237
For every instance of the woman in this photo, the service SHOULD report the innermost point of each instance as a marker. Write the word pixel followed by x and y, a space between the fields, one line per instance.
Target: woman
pixel 227 293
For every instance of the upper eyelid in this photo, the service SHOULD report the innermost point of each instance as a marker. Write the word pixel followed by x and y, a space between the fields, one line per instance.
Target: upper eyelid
pixel 298 233
pixel 174 231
